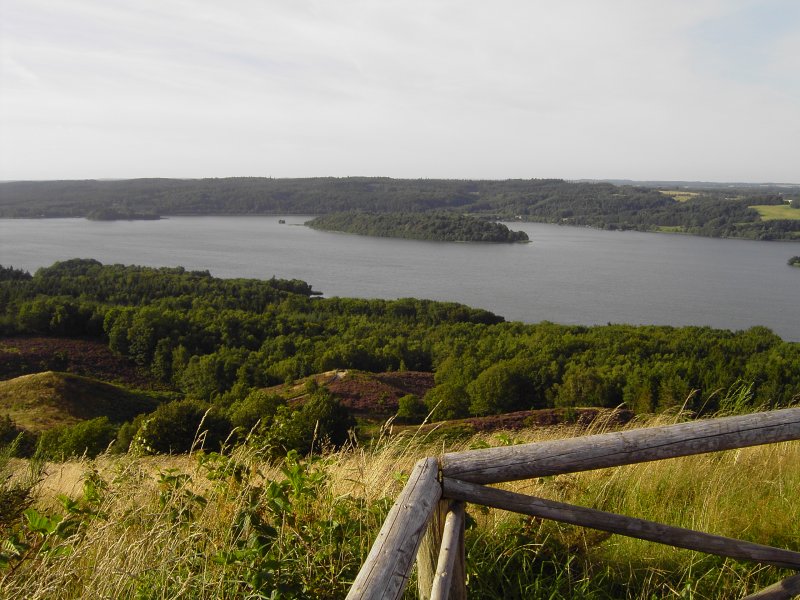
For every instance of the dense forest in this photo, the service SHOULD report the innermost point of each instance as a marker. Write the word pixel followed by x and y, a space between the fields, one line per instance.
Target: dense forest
pixel 438 225
pixel 218 343
pixel 714 211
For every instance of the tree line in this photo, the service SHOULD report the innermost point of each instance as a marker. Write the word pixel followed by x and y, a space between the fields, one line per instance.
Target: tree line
pixel 714 211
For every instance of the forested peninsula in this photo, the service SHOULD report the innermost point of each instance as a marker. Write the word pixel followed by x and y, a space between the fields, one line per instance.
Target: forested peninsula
pixel 714 210
pixel 438 226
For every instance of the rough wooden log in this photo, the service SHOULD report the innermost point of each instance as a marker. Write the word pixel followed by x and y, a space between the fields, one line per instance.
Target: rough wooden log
pixel 783 590
pixel 385 572
pixel 449 582
pixel 428 552
pixel 629 526
pixel 508 463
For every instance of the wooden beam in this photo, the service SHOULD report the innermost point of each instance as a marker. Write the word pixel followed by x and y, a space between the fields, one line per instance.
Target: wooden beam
pixel 386 570
pixel 508 463
pixel 450 555
pixel 629 526
pixel 783 590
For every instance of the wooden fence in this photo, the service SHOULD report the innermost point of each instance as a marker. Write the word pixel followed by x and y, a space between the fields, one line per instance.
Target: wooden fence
pixel 426 522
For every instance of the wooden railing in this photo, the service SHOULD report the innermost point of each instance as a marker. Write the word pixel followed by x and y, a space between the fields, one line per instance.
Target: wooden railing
pixel 426 522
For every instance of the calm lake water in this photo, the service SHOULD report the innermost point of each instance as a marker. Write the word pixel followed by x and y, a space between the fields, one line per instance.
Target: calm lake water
pixel 566 274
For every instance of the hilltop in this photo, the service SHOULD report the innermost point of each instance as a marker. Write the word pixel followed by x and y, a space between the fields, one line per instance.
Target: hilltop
pixel 41 401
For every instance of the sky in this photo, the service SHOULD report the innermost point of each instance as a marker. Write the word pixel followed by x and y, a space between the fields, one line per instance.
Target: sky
pixel 703 90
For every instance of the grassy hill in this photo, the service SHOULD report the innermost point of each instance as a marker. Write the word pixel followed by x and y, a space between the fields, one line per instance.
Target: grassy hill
pixel 41 401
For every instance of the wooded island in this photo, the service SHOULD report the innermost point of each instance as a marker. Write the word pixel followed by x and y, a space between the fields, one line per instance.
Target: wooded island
pixel 438 226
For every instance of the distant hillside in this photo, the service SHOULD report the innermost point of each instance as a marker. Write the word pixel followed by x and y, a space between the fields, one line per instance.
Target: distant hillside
pixel 367 395
pixel 374 397
pixel 44 400
pixel 715 211
pixel 90 358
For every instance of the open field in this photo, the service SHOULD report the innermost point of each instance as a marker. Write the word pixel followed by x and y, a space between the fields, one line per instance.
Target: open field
pixel 237 526
pixel 772 212
pixel 679 195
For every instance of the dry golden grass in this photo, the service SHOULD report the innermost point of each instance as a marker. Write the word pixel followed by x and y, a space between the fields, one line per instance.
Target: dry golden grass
pixel 135 550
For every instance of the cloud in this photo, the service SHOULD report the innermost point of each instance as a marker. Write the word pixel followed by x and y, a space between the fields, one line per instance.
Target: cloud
pixel 417 88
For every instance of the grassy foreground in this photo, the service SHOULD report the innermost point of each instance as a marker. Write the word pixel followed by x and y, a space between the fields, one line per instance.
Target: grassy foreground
pixel 235 526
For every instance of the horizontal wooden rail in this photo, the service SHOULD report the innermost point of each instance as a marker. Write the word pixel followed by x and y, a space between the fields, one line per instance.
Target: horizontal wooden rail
pixel 629 526
pixel 387 568
pixel 508 463
pixel 783 590
pixel 434 484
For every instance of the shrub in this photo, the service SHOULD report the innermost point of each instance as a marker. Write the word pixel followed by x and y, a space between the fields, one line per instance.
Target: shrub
pixel 176 426
pixel 320 422
pixel 21 443
pixel 87 437
pixel 258 407
pixel 411 409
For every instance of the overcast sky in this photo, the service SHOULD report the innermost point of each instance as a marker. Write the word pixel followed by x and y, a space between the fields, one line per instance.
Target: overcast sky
pixel 638 89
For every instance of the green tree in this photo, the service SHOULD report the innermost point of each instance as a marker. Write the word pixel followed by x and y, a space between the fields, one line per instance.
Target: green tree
pixel 505 387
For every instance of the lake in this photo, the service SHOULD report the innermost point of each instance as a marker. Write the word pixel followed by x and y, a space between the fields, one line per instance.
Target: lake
pixel 565 275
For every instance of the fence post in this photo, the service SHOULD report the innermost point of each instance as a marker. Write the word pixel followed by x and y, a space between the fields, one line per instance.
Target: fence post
pixel 384 574
pixel 450 581
pixel 428 552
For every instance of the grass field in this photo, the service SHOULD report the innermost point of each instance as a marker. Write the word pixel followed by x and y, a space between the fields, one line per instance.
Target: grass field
pixel 771 212
pixel 237 526
pixel 679 195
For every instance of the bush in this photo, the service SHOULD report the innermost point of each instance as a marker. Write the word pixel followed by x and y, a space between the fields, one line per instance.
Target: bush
pixel 173 428
pixel 19 442
pixel 258 408
pixel 411 409
pixel 87 437
pixel 127 433
pixel 319 423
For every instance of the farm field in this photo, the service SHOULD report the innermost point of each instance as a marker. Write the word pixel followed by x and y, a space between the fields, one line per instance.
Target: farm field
pixel 772 212
pixel 680 195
